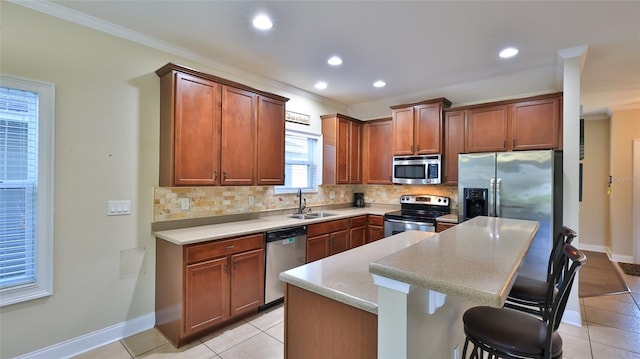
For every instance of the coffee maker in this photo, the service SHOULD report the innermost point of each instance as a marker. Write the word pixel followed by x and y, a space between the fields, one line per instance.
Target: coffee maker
pixel 358 199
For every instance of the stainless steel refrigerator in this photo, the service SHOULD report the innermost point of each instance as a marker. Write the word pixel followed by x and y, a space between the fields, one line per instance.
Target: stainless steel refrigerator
pixel 518 184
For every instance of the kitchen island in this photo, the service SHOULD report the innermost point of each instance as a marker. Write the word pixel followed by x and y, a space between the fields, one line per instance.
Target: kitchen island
pixel 423 284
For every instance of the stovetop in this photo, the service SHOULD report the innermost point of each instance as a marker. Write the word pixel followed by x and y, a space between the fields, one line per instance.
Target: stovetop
pixel 421 208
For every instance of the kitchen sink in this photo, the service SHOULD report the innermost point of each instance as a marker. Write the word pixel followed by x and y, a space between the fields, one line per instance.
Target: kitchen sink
pixel 311 215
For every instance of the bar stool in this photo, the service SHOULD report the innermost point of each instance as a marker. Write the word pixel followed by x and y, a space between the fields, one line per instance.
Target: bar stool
pixel 529 294
pixel 507 333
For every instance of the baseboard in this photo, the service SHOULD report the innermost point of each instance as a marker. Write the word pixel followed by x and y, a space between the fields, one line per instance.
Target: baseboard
pixel 87 342
pixel 604 249
pixel 593 248
pixel 620 258
pixel 572 317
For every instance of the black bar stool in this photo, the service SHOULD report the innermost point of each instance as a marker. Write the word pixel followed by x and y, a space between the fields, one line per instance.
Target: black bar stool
pixel 529 294
pixel 507 333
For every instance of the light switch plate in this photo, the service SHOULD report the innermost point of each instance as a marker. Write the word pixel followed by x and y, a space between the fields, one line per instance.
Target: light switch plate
pixel 118 208
pixel 184 203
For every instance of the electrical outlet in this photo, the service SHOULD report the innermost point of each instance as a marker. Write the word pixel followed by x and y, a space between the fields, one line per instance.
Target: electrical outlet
pixel 184 203
pixel 332 195
pixel 251 200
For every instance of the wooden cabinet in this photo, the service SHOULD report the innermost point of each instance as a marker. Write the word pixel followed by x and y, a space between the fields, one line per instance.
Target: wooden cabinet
pixel 327 238
pixel 417 127
pixel 441 226
pixel 211 130
pixel 270 144
pixel 486 129
pixel 202 285
pixel 375 228
pixel 535 124
pixel 376 154
pixel 342 146
pixel 357 231
pixel 453 145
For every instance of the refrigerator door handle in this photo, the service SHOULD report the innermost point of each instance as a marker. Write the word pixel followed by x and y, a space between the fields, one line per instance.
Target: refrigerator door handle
pixel 498 214
pixel 492 185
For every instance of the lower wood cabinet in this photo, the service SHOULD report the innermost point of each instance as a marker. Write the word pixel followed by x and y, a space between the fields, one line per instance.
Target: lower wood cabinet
pixel 441 226
pixel 202 285
pixel 357 231
pixel 327 238
pixel 375 228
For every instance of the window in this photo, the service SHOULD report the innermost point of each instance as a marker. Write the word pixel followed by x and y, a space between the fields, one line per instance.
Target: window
pixel 26 189
pixel 301 163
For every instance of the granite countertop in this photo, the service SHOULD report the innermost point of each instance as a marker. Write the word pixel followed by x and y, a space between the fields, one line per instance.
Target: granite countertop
pixel 476 260
pixel 265 223
pixel 345 276
pixel 448 218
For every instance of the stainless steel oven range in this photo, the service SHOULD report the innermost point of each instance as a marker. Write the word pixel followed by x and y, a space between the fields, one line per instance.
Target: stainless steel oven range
pixel 417 212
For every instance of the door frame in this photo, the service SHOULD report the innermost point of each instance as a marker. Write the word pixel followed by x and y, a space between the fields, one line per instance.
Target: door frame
pixel 636 200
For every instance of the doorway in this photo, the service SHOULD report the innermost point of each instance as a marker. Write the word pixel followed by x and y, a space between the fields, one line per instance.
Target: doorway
pixel 636 200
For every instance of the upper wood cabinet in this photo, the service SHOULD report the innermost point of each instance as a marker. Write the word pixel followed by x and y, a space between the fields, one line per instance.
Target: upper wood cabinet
pixel 376 154
pixel 453 145
pixel 536 124
pixel 417 127
pixel 342 147
pixel 522 124
pixel 486 129
pixel 211 130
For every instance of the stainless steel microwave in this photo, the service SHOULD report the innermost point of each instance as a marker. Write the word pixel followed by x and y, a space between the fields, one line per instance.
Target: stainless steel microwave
pixel 417 169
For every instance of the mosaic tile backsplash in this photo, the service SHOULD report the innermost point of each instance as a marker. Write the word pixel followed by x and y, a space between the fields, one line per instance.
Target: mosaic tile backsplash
pixel 220 201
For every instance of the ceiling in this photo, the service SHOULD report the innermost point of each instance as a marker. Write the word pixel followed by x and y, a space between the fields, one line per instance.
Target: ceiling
pixel 421 49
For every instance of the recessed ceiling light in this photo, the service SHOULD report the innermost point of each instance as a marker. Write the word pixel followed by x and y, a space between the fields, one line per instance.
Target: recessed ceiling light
pixel 508 52
pixel 334 61
pixel 262 22
pixel 379 84
pixel 321 85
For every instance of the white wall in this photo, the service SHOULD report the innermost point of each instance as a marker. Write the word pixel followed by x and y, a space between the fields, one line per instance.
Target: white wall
pixel 107 130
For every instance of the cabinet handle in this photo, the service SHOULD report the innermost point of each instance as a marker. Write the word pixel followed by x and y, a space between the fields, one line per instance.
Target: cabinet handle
pixel 224 175
pixel 418 148
pixel 235 265
pixel 226 268
pixel 505 144
pixel 230 247
pixel 215 175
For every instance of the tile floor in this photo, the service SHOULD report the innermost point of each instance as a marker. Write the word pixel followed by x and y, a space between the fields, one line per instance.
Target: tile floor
pixel 610 329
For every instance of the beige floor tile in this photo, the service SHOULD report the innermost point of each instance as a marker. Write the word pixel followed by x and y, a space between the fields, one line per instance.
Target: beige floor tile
pixel 268 319
pixel 575 347
pixel 580 332
pixel 613 319
pixel 615 337
pixel 195 350
pixel 277 332
pixel 260 346
pixel 110 351
pixel 614 303
pixel 230 336
pixel 144 342
pixel 601 351
pixel 633 282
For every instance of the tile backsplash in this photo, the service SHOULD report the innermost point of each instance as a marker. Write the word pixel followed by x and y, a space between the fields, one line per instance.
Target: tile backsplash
pixel 221 201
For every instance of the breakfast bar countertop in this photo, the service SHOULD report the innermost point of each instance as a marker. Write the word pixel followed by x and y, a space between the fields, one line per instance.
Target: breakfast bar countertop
pixel 476 260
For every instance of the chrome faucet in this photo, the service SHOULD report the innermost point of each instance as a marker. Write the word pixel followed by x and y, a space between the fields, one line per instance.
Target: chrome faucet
pixel 302 202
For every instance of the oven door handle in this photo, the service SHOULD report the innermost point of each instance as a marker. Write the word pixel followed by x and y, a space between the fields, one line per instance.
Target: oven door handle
pixel 408 222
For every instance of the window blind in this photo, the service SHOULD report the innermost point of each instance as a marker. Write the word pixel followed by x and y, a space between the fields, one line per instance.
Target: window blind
pixel 18 186
pixel 301 163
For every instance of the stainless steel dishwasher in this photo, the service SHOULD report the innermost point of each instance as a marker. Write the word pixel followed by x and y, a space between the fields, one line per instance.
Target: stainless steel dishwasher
pixel 286 249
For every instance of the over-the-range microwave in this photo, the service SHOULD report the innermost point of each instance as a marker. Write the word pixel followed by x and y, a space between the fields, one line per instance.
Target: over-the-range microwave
pixel 417 169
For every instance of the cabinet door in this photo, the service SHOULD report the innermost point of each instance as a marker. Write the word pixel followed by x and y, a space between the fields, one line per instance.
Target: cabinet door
pixel 318 247
pixel 339 241
pixel 440 226
pixel 342 151
pixel 402 131
pixel 376 152
pixel 270 152
pixel 453 144
pixel 197 131
pixel 206 294
pixel 238 154
pixel 355 150
pixel 247 281
pixel 535 124
pixel 375 233
pixel 428 125
pixel 486 129
pixel 357 236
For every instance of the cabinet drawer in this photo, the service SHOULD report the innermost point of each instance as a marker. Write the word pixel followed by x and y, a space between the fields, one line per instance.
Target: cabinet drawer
pixel 375 220
pixel 317 229
pixel 208 250
pixel 359 221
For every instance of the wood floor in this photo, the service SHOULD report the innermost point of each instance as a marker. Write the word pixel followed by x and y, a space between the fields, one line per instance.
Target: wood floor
pixel 599 276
